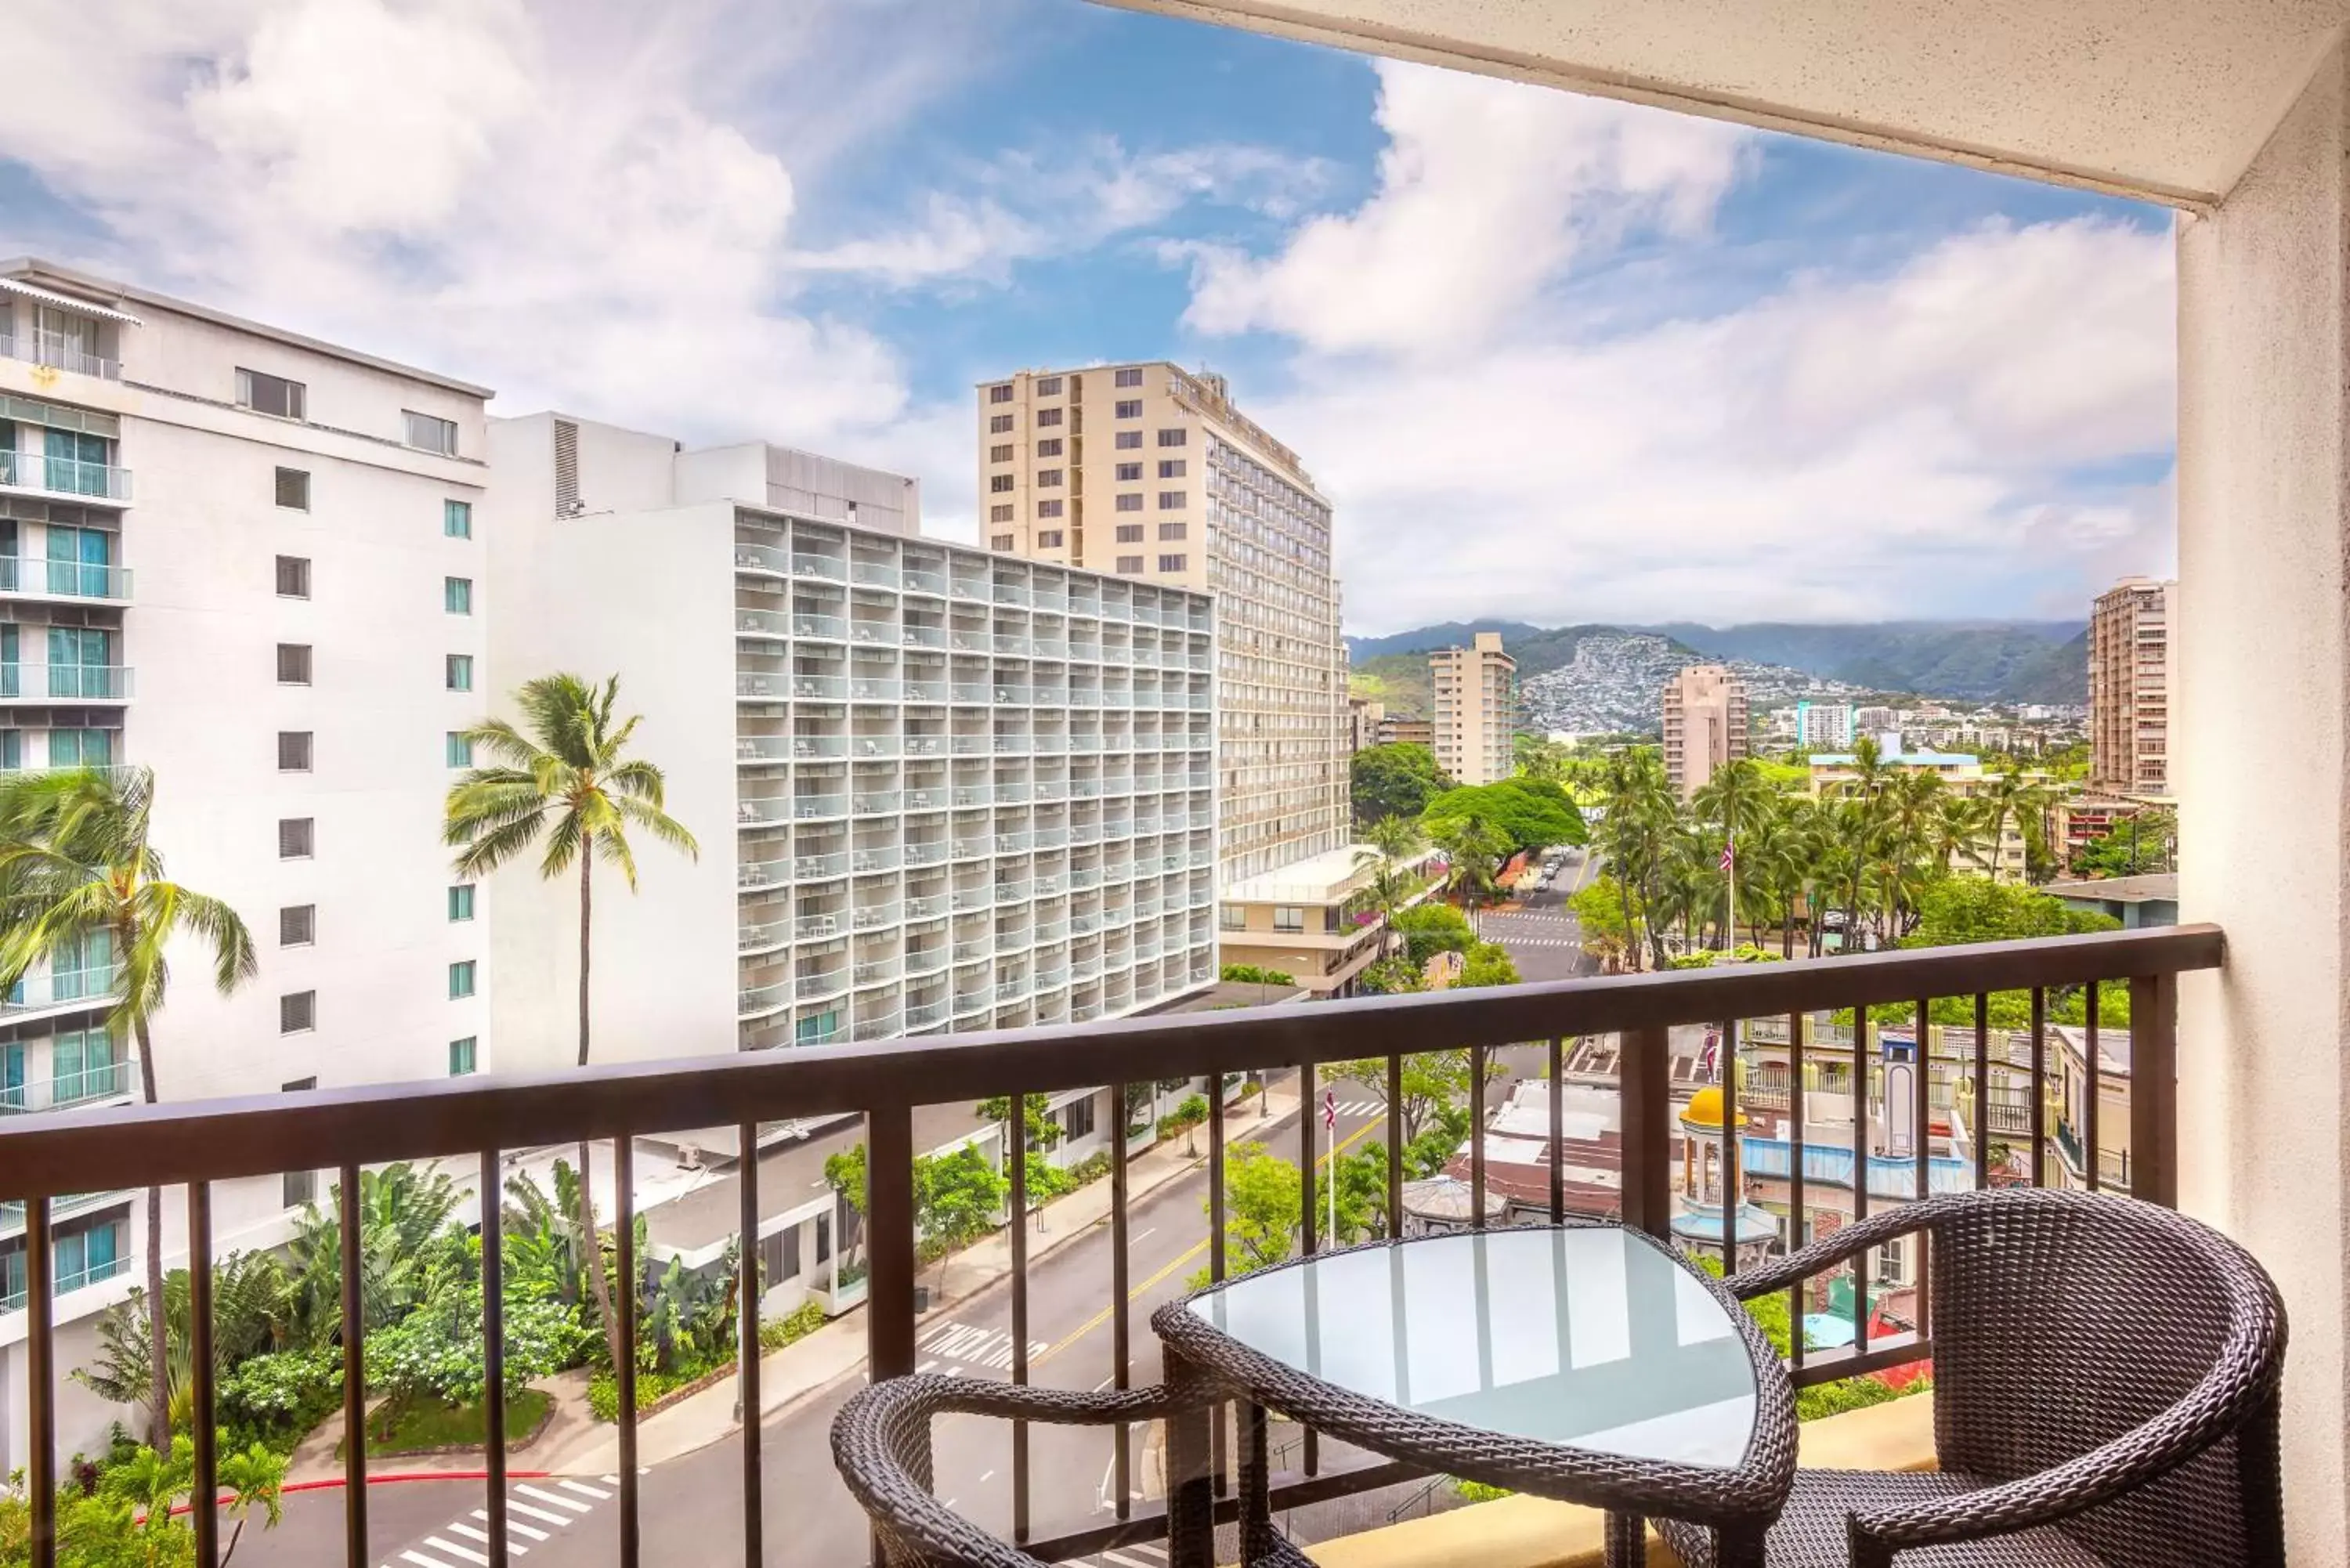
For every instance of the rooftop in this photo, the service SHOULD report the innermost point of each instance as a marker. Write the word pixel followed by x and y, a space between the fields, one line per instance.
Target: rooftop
pixel 1330 875
pixel 2154 886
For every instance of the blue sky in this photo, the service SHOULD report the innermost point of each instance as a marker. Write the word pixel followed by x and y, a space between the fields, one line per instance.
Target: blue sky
pixel 1617 364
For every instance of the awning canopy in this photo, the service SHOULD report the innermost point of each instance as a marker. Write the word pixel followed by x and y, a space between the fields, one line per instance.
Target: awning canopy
pixel 64 301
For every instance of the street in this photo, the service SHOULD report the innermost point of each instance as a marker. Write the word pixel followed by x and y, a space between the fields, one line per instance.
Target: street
pixel 691 1506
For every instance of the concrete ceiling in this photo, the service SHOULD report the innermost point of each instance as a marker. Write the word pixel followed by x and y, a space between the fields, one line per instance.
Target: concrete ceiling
pixel 2165 100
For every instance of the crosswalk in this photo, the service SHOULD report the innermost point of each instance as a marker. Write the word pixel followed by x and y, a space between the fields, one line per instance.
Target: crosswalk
pixel 535 1511
pixel 1361 1107
pixel 1512 940
pixel 1133 1554
pixel 952 1347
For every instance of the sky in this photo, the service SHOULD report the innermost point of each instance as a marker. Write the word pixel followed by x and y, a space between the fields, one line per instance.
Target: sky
pixel 1551 359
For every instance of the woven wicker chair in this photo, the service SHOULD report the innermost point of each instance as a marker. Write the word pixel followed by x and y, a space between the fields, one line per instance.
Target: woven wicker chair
pixel 882 1445
pixel 2106 1381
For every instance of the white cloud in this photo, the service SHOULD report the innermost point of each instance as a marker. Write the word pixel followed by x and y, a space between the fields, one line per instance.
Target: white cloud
pixel 1486 192
pixel 1870 449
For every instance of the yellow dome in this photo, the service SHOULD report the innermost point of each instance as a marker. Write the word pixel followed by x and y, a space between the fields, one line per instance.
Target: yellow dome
pixel 1705 1109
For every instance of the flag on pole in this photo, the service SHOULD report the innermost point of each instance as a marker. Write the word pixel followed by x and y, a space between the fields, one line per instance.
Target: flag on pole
pixel 1330 1109
pixel 1729 854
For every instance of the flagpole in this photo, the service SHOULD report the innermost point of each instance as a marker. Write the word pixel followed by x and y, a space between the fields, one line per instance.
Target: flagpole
pixel 1331 1174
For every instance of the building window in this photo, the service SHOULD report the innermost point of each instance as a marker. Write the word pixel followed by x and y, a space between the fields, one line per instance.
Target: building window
pixel 293 750
pixel 296 838
pixel 1172 563
pixel 293 664
pixel 12 749
pixel 459 749
pixel 1127 441
pixel 270 395
pixel 293 577
pixel 1048 539
pixel 1001 453
pixel 1129 408
pixel 1130 563
pixel 298 925
pixel 458 671
pixel 1002 394
pixel 457 519
pixel 1171 467
pixel 1231 917
pixel 1129 532
pixel 1129 472
pixel 427 433
pixel 999 424
pixel 1046 478
pixel 1000 484
pixel 1171 530
pixel 464 1056
pixel 1079 1117
pixel 294 490
pixel 460 979
pixel 457 595
pixel 1288 918
pixel 1000 542
pixel 1177 436
pixel 81 748
pixel 461 901
pixel 1000 512
pixel 1130 501
pixel 1050 387
pixel 299 1187
pixel 1049 448
pixel 1049 509
pixel 1048 417
pixel 1171 500
pixel 297 1011
pixel 1131 375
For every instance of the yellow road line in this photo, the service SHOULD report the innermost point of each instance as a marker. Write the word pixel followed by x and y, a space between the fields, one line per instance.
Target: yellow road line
pixel 1195 1250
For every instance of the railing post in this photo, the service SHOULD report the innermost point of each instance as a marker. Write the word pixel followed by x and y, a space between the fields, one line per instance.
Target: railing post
pixel 1644 1078
pixel 2154 1089
pixel 889 1235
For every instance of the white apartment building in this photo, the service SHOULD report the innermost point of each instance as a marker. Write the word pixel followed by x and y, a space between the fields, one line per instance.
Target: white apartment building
pixel 2133 669
pixel 249 561
pixel 1822 726
pixel 1475 695
pixel 1705 725
pixel 934 787
pixel 1150 472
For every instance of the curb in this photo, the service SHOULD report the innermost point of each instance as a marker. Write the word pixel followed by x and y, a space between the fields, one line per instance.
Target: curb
pixel 395 1479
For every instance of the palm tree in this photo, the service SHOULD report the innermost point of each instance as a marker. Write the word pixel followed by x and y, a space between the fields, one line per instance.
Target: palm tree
pixel 2010 795
pixel 78 872
pixel 1639 816
pixel 1730 798
pixel 1474 847
pixel 566 780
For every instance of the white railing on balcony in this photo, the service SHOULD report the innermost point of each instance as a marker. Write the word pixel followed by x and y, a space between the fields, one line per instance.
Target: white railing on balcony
pixel 873 917
pixel 755 874
pixel 881 858
pixel 926 961
pixel 875 689
pixel 923 636
pixel 68 683
pixel 876 800
pixel 58 988
pixel 765 937
pixel 761 813
pixel 755 1002
pixel 1010 593
pixel 815 807
pixel 817 928
pixel 926 905
pixel 878 574
pixel 820 868
pixel 914 580
pixel 818 987
pixel 829 567
pixel 819 745
pixel 877 972
pixel 931 854
pixel 873 633
pixel 820 627
pixel 964 587
pixel 64 580
pixel 65 476
pixel 1012 892
pixel 966 900
pixel 972 849
pixel 91 1085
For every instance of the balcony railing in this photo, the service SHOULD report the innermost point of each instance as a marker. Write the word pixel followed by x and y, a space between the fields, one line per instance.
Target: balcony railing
pixel 815 807
pixel 59 988
pixel 65 476
pixel 205 1143
pixel 104 1080
pixel 64 580
pixel 64 682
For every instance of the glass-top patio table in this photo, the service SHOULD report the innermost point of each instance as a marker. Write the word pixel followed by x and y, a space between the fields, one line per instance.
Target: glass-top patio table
pixel 1589 1364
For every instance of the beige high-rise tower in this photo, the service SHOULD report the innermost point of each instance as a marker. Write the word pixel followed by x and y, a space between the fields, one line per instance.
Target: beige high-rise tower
pixel 2132 670
pixel 1476 692
pixel 1705 725
pixel 1148 472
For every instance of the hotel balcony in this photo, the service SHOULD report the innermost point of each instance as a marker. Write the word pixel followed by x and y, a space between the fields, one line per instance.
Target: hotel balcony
pixel 75 582
pixel 108 683
pixel 35 474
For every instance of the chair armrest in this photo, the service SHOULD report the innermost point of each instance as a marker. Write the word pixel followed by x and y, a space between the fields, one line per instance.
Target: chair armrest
pixel 2227 1401
pixel 1829 1251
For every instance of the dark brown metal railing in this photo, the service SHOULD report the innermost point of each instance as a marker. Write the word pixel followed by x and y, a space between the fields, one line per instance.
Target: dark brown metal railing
pixel 46 1158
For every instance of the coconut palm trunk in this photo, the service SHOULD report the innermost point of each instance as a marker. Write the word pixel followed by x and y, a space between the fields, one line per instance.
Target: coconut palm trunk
pixel 598 1280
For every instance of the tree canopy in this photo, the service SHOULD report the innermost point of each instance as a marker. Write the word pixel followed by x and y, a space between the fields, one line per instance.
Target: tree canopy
pixel 1397 779
pixel 1527 814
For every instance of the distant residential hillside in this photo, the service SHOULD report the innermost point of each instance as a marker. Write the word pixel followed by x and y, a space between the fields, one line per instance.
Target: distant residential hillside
pixel 2013 662
pixel 1394 670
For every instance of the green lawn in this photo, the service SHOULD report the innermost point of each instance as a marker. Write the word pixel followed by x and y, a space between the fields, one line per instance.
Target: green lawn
pixel 416 1427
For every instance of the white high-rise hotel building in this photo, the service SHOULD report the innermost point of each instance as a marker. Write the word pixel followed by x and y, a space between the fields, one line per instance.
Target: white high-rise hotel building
pixel 249 560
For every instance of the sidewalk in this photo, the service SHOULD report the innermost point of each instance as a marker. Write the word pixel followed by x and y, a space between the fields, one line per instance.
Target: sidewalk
pixel 838 1349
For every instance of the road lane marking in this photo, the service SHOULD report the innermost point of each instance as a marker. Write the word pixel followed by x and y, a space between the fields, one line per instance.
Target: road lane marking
pixel 421 1561
pixel 926 1366
pixel 598 1493
pixel 470 1533
pixel 454 1550
pixel 1194 1250
pixel 538 1513
pixel 548 1497
pixel 483 1515
pixel 988 1477
pixel 1144 1237
pixel 1123 1561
